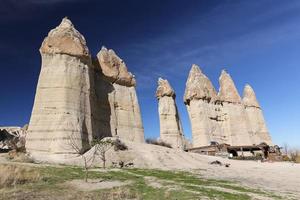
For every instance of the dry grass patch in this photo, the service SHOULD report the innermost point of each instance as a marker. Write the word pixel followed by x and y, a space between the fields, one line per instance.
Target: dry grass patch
pixel 11 175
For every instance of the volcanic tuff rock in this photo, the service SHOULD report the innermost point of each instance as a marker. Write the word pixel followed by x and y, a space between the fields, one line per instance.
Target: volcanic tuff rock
pixel 223 118
pixel 65 39
pixel 228 91
pixel 258 129
pixel 118 108
pixel 78 99
pixel 164 89
pixel 170 125
pixel 62 106
pixel 114 68
pixel 84 99
pixel 13 137
pixel 236 126
pixel 198 86
pixel 200 97
pixel 249 97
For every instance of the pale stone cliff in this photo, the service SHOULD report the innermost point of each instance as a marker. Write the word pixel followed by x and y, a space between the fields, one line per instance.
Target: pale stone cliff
pixel 118 108
pixel 200 97
pixel 62 106
pixel 223 117
pixel 235 126
pixel 258 130
pixel 171 130
pixel 78 99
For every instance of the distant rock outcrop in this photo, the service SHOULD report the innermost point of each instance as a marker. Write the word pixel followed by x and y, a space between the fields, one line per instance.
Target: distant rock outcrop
pixel 12 138
pixel 222 117
pixel 258 130
pixel 235 126
pixel 200 97
pixel 170 125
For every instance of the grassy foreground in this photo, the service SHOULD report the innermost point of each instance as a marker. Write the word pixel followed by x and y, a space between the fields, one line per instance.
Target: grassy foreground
pixel 45 182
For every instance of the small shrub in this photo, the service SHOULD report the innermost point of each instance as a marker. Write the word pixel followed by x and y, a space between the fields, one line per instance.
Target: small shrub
pixel 297 159
pixel 11 175
pixel 101 147
pixel 119 145
pixel 285 158
pixel 17 156
pixel 156 142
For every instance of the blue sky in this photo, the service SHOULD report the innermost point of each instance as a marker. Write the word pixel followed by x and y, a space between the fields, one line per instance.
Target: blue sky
pixel 257 42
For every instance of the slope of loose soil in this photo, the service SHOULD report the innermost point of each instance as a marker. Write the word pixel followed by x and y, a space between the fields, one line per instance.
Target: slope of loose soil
pixel 129 184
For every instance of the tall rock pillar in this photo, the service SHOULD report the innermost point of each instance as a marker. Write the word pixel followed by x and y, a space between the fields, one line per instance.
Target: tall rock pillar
pixel 170 125
pixel 234 125
pixel 118 108
pixel 258 129
pixel 61 110
pixel 200 97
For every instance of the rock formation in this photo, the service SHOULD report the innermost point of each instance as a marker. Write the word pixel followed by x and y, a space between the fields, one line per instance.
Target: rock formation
pixel 170 125
pixel 118 107
pixel 200 97
pixel 62 107
pixel 222 117
pixel 235 126
pixel 258 129
pixel 79 99
pixel 12 138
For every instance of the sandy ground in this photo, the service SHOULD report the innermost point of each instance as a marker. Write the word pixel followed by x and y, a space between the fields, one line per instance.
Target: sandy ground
pixel 280 177
pixel 94 184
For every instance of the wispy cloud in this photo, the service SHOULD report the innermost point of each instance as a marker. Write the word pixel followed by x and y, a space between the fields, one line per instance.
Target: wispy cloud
pixel 171 54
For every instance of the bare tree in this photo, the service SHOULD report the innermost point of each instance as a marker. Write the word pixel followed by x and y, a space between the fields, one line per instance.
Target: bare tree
pixel 101 147
pixel 80 150
pixel 286 148
pixel 294 154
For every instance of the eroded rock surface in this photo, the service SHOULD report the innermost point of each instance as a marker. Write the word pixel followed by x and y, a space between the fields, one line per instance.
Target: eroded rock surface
pixel 200 97
pixel 62 107
pixel 235 127
pixel 171 130
pixel 258 130
pixel 118 108
pixel 65 39
pixel 228 91
pixel 223 118
pixel 114 68
pixel 13 138
pixel 198 86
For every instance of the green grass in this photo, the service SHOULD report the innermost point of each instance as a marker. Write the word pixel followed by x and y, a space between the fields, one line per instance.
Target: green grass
pixel 174 185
